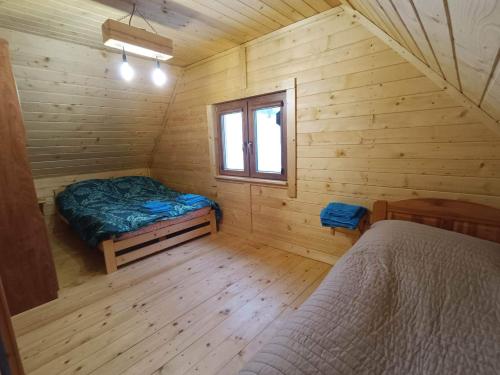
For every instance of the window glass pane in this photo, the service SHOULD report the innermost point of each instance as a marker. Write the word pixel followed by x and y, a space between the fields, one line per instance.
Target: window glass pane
pixel 268 138
pixel 232 141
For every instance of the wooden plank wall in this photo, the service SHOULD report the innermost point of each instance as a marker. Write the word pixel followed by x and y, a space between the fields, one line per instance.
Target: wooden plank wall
pixel 80 115
pixel 370 126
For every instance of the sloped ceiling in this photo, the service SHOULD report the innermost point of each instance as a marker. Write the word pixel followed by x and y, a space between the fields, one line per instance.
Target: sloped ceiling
pixel 198 28
pixel 80 116
pixel 458 39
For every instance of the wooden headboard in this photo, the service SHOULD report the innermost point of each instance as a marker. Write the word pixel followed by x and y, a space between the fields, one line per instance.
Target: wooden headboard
pixel 464 217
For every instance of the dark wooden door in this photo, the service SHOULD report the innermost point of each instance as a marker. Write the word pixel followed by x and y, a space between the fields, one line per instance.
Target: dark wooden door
pixel 10 361
pixel 26 264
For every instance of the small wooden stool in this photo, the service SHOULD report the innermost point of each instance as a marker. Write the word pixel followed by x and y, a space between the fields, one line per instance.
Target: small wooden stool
pixel 354 234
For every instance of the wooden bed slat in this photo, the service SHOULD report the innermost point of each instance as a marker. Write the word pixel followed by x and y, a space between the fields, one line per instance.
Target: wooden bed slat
pixel 154 248
pixel 129 242
pixel 111 247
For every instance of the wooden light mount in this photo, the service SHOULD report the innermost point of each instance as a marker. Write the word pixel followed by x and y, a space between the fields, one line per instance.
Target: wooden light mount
pixel 134 40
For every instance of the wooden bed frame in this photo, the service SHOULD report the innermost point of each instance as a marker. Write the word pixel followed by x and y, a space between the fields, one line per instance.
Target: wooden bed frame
pixel 118 252
pixel 190 229
pixel 474 219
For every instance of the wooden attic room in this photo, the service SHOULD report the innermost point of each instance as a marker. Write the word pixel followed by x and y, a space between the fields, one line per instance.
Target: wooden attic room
pixel 249 187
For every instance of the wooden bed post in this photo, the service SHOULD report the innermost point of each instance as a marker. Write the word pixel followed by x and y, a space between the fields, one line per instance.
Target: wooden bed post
pixel 213 223
pixel 109 256
pixel 379 211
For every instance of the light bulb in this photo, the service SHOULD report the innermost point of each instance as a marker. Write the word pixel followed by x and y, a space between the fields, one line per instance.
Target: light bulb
pixel 159 76
pixel 125 69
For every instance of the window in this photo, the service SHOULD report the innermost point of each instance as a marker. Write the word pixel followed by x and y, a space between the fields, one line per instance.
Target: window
pixel 252 137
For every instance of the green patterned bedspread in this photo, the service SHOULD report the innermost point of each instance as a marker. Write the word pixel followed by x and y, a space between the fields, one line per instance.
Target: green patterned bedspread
pixel 101 208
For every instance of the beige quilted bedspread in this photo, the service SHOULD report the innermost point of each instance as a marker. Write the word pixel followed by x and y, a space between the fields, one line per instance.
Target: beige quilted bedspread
pixel 406 299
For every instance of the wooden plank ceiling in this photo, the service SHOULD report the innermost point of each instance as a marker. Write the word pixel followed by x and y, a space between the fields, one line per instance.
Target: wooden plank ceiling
pixel 458 39
pixel 199 28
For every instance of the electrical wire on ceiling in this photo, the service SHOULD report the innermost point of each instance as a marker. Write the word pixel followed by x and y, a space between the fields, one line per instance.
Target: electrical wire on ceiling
pixel 131 14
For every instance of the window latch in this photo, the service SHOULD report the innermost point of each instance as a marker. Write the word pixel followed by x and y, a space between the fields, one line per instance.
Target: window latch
pixel 249 147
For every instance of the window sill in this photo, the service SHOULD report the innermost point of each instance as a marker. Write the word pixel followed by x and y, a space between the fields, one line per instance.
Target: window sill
pixel 255 181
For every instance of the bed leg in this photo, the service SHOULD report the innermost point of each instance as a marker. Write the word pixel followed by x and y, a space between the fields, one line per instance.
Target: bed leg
pixel 213 223
pixel 109 256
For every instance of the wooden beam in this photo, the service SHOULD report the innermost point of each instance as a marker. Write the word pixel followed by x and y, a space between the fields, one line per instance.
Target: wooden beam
pixel 212 139
pixel 291 135
pixel 243 66
pixel 26 262
pixel 461 99
pixel 165 120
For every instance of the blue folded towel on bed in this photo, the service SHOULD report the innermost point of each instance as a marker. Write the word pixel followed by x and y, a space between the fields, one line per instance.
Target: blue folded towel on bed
pixel 344 215
pixel 190 199
pixel 157 207
pixel 154 204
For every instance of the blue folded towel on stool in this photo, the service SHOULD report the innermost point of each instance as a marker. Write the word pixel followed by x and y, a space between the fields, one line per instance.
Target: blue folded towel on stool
pixel 344 215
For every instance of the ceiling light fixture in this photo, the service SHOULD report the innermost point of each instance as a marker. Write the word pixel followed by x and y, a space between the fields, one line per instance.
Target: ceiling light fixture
pixel 125 69
pixel 159 76
pixel 116 34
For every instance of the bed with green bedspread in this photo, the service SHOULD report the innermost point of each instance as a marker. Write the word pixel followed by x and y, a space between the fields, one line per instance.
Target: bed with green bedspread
pixel 99 209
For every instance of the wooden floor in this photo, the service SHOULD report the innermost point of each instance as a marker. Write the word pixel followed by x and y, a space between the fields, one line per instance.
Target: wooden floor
pixel 204 307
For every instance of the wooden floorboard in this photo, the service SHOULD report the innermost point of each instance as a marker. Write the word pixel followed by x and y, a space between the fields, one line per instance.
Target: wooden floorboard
pixel 204 307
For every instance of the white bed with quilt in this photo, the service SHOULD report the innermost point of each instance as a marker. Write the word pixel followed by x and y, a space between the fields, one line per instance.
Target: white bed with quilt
pixel 408 298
